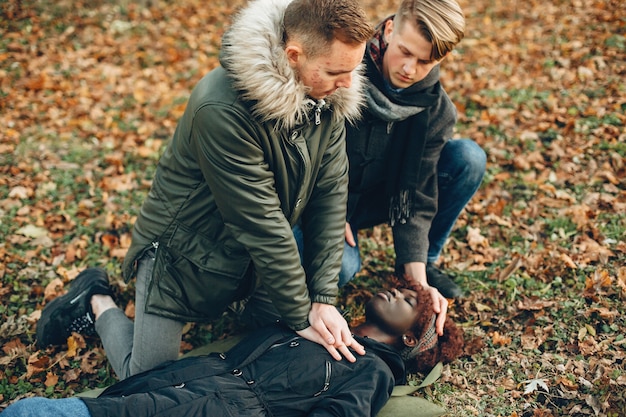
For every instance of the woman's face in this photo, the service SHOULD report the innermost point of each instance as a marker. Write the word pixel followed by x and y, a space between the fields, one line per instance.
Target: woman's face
pixel 394 311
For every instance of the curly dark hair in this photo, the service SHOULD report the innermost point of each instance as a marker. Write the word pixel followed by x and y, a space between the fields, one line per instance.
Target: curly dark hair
pixel 447 348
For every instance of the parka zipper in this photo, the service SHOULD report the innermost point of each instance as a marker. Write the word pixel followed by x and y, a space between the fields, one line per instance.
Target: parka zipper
pixel 327 380
pixel 275 345
pixel 318 111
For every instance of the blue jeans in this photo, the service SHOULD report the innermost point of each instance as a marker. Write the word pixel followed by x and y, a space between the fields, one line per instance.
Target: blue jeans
pixel 38 406
pixel 459 173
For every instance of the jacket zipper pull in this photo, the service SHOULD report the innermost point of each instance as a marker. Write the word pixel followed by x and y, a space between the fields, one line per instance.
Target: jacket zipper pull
pixel 389 126
pixel 155 245
pixel 318 112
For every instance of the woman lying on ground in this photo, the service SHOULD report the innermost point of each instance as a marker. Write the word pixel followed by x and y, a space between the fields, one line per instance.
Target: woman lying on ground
pixel 273 371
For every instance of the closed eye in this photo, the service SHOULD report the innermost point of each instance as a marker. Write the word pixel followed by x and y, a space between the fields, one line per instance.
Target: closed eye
pixel 406 53
pixel 337 73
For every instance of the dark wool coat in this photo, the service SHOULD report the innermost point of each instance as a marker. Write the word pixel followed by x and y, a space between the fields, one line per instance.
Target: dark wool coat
pixel 369 153
pixel 273 372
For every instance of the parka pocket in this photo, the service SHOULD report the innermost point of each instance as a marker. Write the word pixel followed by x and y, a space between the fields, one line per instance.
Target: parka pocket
pixel 196 283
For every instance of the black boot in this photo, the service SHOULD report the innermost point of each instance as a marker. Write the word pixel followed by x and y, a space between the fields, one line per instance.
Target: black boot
pixel 443 282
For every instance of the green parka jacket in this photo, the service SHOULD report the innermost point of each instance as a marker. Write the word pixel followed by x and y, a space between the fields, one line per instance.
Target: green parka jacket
pixel 251 156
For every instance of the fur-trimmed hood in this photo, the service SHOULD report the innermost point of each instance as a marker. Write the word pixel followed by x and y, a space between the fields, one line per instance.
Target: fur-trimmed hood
pixel 253 54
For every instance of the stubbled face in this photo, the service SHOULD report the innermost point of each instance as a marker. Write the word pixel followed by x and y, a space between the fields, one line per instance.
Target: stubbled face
pixel 395 310
pixel 407 58
pixel 326 73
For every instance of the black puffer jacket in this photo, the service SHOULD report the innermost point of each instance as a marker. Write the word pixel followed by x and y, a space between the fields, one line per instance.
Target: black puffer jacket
pixel 273 372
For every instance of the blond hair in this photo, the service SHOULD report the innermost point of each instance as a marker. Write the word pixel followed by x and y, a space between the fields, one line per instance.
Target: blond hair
pixel 441 22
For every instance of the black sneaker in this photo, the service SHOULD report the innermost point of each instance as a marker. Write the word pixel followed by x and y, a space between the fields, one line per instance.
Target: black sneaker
pixel 71 312
pixel 443 282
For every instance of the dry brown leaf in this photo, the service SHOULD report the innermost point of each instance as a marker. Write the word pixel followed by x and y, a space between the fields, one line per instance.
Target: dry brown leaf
pixel 475 240
pixel 621 278
pixel 592 250
pixel 54 289
pixel 567 260
pixel 109 240
pixel 599 280
pixel 535 304
pixel 72 374
pixel 588 346
pixel 498 339
pixel 51 380
pixel 72 346
pixel 119 253
pixel 119 183
pixel 90 362
pixel 36 364
pixel 13 346
pixel 567 383
pixel 510 268
pixel 21 192
pixel 605 313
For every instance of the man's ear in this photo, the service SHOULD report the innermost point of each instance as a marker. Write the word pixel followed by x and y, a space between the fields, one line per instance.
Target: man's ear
pixel 388 31
pixel 409 339
pixel 293 51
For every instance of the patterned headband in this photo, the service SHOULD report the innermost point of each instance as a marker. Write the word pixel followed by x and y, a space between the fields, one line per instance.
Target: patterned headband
pixel 427 341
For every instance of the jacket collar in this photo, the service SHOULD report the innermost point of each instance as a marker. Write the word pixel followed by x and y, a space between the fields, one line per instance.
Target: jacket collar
pixel 389 355
pixel 254 57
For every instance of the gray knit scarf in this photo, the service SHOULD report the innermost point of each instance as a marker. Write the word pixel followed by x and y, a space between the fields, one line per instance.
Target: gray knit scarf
pixel 383 108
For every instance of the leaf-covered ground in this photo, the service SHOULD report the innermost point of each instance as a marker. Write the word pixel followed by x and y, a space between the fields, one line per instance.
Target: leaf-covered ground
pixel 91 91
